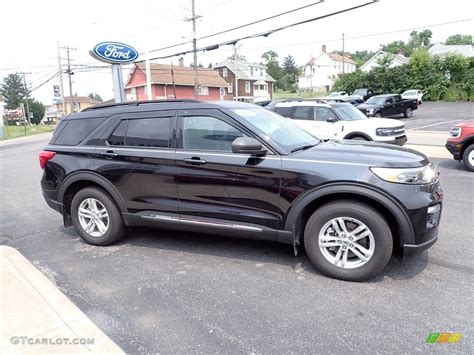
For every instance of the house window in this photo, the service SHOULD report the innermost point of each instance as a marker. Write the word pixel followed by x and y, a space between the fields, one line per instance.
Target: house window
pixel 230 88
pixel 262 87
pixel 224 72
pixel 203 90
pixel 247 87
pixel 133 91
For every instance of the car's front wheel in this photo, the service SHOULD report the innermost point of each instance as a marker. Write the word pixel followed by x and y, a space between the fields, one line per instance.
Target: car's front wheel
pixel 95 217
pixel 348 240
pixel 468 158
pixel 408 112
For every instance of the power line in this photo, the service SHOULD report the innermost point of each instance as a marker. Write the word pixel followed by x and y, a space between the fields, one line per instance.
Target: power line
pixel 361 36
pixel 267 33
pixel 239 27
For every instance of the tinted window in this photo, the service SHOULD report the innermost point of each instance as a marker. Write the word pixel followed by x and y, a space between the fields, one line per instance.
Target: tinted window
pixel 389 100
pixel 398 98
pixel 303 113
pixel 75 131
pixel 323 113
pixel 148 132
pixel 118 137
pixel 284 111
pixel 208 133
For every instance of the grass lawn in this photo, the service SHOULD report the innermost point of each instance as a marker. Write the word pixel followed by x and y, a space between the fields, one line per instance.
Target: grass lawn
pixel 19 131
pixel 295 95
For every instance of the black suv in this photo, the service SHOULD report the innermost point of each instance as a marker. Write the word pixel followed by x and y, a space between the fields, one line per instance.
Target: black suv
pixel 240 170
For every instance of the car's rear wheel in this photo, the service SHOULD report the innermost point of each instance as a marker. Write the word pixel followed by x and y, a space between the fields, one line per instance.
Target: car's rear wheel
pixel 468 158
pixel 348 240
pixel 95 217
pixel 408 112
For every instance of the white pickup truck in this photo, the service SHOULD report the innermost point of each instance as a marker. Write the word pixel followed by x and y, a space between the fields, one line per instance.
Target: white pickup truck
pixel 341 121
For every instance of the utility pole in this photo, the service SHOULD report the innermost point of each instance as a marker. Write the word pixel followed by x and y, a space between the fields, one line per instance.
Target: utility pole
pixel 343 56
pixel 63 107
pixel 69 73
pixel 26 97
pixel 193 18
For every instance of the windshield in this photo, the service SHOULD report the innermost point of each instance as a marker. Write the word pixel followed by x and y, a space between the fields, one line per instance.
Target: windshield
pixel 274 127
pixel 349 113
pixel 360 92
pixel 409 92
pixel 334 94
pixel 376 100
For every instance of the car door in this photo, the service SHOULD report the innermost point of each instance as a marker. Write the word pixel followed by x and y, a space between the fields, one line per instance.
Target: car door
pixel 217 184
pixel 329 126
pixel 389 107
pixel 137 158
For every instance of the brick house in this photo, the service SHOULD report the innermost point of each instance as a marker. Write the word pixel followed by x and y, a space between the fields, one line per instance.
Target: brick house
pixel 245 81
pixel 174 82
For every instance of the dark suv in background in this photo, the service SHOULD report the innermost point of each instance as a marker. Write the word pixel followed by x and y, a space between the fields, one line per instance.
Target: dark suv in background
pixel 239 170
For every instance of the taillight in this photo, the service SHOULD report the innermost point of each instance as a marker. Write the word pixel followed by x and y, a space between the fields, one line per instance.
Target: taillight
pixel 44 157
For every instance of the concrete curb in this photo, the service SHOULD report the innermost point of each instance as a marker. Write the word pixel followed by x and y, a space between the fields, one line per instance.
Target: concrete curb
pixel 32 306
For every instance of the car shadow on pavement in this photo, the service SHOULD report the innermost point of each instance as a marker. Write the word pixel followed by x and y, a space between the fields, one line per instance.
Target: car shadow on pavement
pixel 245 249
pixel 450 164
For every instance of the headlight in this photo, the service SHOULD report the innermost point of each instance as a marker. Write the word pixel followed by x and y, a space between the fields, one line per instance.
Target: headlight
pixel 455 132
pixel 424 175
pixel 385 131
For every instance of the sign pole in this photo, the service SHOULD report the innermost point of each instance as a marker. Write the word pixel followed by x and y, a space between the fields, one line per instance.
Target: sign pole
pixel 118 83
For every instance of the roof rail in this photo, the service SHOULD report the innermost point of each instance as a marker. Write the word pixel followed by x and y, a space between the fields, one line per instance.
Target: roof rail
pixel 138 103
pixel 303 99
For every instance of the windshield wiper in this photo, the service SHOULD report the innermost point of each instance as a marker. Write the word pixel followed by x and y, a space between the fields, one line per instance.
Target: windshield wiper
pixel 304 147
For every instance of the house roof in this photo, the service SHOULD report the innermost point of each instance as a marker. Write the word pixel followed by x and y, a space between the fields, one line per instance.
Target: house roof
pixel 161 74
pixel 396 58
pixel 465 50
pixel 240 69
pixel 76 98
pixel 339 58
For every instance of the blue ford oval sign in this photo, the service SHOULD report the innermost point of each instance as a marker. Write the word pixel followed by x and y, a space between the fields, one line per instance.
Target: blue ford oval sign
pixel 114 52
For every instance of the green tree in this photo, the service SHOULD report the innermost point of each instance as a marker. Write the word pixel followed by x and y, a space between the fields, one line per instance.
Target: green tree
pixel 420 39
pixel 95 96
pixel 38 110
pixel 459 39
pixel 273 67
pixel 14 91
pixel 385 61
pixel 289 65
pixel 397 47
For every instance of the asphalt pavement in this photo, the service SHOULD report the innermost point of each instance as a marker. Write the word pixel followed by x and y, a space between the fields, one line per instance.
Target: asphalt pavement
pixel 158 291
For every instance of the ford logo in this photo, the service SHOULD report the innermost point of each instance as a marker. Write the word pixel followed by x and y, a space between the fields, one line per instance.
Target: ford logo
pixel 114 52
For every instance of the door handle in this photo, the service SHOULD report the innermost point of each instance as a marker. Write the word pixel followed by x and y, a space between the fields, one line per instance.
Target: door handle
pixel 195 161
pixel 109 154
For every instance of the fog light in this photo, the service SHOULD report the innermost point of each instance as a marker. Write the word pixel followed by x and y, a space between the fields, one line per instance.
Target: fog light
pixel 432 216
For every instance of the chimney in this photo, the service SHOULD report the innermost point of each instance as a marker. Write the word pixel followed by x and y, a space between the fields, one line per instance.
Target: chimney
pixel 181 62
pixel 323 48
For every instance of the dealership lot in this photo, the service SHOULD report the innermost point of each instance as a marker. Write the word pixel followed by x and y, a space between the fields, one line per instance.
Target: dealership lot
pixel 159 291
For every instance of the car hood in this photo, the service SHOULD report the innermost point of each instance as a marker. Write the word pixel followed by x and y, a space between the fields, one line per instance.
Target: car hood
pixel 467 124
pixel 367 106
pixel 383 122
pixel 365 153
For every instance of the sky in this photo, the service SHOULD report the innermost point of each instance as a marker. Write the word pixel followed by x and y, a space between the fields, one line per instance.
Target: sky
pixel 31 30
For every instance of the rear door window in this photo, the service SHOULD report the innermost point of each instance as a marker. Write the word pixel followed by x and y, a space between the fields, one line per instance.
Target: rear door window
pixel 142 132
pixel 284 111
pixel 303 113
pixel 74 132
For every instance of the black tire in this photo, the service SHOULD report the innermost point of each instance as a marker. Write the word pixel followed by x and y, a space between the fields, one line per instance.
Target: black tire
pixel 359 138
pixel 465 158
pixel 378 115
pixel 368 216
pixel 408 112
pixel 115 229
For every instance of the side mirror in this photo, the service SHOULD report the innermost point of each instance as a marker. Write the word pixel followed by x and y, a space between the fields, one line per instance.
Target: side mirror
pixel 246 145
pixel 331 119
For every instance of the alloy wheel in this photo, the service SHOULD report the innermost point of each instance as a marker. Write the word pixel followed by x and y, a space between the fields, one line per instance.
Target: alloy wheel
pixel 346 242
pixel 93 217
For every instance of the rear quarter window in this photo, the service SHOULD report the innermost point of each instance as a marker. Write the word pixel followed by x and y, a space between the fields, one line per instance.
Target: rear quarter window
pixel 284 111
pixel 73 132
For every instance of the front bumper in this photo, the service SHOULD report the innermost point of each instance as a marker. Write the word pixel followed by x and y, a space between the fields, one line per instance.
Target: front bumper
pixel 454 149
pixel 399 140
pixel 414 249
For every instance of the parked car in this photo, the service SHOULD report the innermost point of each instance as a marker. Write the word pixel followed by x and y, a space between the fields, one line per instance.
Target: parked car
pixel 388 105
pixel 359 96
pixel 236 169
pixel 413 95
pixel 337 95
pixel 341 121
pixel 461 143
